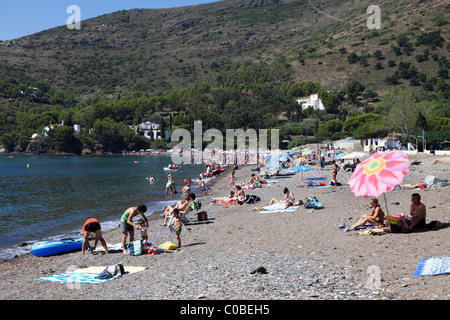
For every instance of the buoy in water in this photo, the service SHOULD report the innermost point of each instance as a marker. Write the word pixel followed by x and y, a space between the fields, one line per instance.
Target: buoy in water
pixel 28 165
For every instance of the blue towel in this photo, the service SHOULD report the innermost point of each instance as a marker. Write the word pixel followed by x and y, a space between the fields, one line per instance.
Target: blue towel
pixel 432 266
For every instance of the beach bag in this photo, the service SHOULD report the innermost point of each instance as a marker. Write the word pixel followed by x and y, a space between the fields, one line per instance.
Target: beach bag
pixel 393 221
pixel 252 199
pixel 167 246
pixel 134 248
pixel 313 203
pixel 116 270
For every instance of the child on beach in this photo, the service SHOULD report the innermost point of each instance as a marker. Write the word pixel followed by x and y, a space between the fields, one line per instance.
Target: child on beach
pixel 202 185
pixel 177 226
pixel 143 229
pixel 231 180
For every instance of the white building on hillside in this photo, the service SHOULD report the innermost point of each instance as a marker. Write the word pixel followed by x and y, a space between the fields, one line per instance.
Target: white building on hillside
pixel 150 128
pixel 313 101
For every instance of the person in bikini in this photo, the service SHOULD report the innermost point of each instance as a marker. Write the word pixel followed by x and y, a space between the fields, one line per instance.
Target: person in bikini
pixel 240 194
pixel 288 198
pixel 375 217
pixel 336 168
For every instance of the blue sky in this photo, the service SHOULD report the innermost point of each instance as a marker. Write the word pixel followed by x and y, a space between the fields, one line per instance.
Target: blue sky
pixel 24 17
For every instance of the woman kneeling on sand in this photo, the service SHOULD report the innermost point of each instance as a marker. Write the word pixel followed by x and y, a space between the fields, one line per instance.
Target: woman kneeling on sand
pixel 375 217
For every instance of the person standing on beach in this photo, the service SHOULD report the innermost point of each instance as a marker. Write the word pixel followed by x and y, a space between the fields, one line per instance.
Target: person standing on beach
pixel 336 168
pixel 126 223
pixel 177 226
pixel 92 226
pixel 170 184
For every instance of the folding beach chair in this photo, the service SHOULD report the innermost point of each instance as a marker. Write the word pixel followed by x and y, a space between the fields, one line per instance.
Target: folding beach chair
pixel 194 205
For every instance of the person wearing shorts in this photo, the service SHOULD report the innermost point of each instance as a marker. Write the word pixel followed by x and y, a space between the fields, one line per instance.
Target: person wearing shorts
pixel 126 223
pixel 92 226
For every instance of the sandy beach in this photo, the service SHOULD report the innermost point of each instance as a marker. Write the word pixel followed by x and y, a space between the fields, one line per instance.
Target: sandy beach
pixel 305 254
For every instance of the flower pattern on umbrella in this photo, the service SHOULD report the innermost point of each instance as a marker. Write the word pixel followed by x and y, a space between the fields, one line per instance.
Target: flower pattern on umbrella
pixel 379 173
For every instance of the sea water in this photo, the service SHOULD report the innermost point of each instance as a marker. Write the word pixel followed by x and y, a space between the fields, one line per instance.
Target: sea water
pixel 50 197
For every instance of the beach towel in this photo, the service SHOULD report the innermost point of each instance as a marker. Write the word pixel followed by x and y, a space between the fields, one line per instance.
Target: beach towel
pixel 86 275
pixel 117 247
pixel 367 226
pixel 373 231
pixel 314 186
pixel 432 266
pixel 279 207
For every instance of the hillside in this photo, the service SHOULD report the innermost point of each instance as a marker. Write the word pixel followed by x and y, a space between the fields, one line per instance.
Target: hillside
pixel 149 50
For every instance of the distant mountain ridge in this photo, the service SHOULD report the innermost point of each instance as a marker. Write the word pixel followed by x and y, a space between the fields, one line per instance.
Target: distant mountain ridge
pixel 159 49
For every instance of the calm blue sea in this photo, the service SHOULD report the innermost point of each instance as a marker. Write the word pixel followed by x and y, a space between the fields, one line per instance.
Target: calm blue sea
pixel 50 197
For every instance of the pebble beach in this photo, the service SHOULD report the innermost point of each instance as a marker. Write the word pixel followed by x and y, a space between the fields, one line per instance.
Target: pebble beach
pixel 241 253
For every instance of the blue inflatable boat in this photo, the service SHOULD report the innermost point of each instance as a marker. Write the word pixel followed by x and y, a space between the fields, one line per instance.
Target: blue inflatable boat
pixel 50 248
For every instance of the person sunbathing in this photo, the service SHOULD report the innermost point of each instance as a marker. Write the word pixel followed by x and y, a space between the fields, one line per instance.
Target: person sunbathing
pixel 253 183
pixel 289 197
pixel 240 195
pixel 181 206
pixel 375 217
pixel 230 198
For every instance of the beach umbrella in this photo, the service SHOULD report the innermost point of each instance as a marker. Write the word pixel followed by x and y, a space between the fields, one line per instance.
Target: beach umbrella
pixel 301 168
pixel 304 153
pixel 354 155
pixel 272 164
pixel 343 155
pixel 379 174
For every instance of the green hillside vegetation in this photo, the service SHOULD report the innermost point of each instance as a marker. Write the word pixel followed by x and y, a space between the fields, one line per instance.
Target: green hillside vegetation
pixel 231 64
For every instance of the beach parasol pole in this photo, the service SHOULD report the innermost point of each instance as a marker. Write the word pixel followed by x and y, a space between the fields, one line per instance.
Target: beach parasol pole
pixel 387 212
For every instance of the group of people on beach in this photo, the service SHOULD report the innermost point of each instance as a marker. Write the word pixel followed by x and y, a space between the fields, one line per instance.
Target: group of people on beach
pixel 375 217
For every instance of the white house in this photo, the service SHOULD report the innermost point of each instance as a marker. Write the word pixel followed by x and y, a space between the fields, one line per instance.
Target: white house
pixel 381 143
pixel 76 129
pixel 148 127
pixel 313 101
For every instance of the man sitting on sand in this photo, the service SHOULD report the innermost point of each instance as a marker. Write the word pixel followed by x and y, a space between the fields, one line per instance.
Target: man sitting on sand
pixel 418 214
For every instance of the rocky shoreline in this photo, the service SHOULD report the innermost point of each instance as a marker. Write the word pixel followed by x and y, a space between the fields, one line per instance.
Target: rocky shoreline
pixel 242 254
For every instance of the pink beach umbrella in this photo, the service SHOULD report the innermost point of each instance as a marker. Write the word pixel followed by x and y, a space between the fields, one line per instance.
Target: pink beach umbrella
pixel 379 174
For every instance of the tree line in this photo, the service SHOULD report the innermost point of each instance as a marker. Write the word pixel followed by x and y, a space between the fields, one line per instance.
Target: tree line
pixel 247 95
